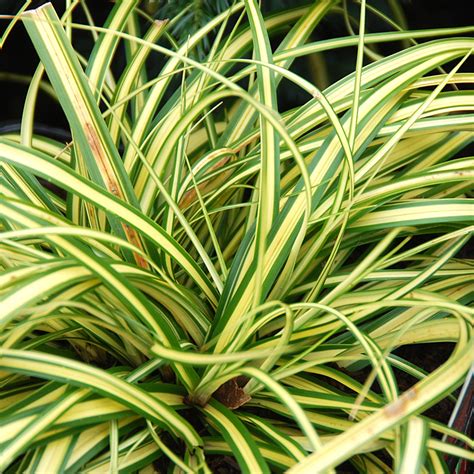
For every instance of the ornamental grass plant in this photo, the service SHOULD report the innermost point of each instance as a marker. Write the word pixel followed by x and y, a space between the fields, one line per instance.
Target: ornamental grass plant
pixel 201 278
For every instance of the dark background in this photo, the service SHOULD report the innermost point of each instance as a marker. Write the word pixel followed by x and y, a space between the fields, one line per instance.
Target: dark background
pixel 18 55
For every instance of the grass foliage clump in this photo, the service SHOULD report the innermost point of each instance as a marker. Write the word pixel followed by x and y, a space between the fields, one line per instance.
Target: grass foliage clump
pixel 200 276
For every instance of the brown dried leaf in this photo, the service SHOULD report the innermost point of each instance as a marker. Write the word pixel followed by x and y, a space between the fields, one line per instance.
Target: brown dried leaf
pixel 231 395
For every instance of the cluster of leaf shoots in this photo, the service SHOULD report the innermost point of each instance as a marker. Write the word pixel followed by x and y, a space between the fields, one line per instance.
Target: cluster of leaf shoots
pixel 221 280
